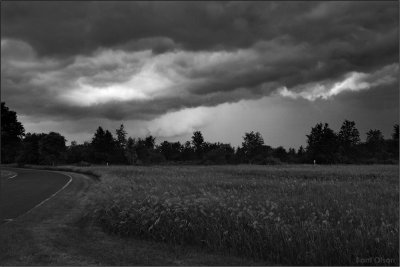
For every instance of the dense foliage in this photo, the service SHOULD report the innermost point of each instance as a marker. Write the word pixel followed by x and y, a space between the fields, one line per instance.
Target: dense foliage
pixel 324 146
pixel 12 132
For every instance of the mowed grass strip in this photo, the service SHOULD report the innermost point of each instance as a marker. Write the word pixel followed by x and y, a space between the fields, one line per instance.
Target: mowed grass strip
pixel 319 215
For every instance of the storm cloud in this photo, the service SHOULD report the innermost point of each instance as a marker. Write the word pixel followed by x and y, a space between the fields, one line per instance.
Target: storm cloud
pixel 141 61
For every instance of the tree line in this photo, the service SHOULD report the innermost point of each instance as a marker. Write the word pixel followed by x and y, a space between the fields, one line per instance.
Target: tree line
pixel 324 146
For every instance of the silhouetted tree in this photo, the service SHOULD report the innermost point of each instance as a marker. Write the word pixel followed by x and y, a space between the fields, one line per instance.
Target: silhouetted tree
pixel 130 151
pixel 374 137
pixel 301 155
pixel 348 139
pixel 149 142
pixel 120 145
pixel 52 148
pixel 218 153
pixel 121 136
pixel 12 132
pixel 207 146
pixel 29 152
pixel 98 138
pixel 375 143
pixel 240 156
pixel 141 151
pixel 280 153
pixel 103 146
pixel 394 143
pixel 79 153
pixel 198 141
pixel 395 134
pixel 292 156
pixel 188 153
pixel 322 144
pixel 348 135
pixel 171 151
pixel 252 146
pixel 145 151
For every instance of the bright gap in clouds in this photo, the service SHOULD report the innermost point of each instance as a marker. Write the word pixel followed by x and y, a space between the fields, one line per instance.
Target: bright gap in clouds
pixel 115 75
pixel 354 81
pixel 87 95
pixel 145 85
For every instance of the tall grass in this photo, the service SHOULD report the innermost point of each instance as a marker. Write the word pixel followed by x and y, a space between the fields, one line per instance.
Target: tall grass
pixel 319 215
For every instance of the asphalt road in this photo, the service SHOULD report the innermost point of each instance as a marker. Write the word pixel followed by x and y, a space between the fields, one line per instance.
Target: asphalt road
pixel 28 189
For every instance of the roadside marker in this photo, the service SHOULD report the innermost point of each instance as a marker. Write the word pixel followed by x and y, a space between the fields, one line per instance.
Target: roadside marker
pixel 12 176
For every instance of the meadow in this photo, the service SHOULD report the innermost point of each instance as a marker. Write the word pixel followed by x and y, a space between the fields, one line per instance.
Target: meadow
pixel 286 215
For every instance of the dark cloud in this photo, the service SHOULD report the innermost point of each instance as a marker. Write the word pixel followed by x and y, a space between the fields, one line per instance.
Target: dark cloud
pixel 81 27
pixel 139 60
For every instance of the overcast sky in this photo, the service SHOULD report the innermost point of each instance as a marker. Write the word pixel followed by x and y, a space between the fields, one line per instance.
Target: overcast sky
pixel 225 68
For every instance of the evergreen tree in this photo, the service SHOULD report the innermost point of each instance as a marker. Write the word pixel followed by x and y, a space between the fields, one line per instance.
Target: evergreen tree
pixel 121 136
pixel 103 146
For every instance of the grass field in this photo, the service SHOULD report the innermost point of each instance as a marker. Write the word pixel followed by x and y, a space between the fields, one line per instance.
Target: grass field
pixel 320 215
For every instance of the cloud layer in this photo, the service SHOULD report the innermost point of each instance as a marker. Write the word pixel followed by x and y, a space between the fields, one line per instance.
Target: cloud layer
pixel 142 61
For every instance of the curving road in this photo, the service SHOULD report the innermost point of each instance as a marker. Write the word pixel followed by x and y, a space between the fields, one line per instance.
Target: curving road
pixel 28 189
